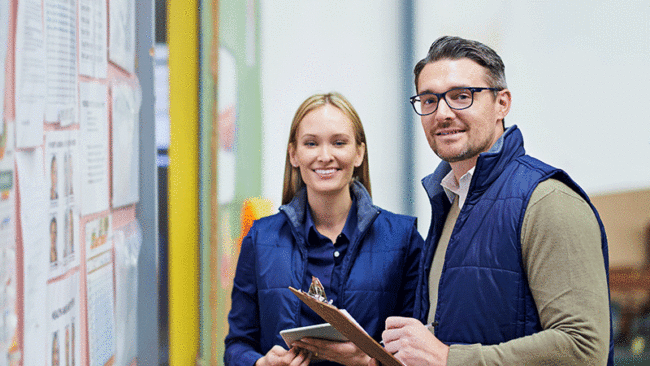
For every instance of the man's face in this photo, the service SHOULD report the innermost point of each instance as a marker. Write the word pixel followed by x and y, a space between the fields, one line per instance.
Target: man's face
pixel 461 135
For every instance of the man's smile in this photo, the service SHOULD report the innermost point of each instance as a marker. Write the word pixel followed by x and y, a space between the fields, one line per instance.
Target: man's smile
pixel 447 132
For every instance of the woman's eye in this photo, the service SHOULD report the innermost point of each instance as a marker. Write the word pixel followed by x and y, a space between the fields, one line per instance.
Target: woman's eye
pixel 340 143
pixel 310 143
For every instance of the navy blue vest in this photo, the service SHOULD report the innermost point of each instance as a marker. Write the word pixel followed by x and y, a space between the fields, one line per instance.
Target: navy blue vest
pixel 483 287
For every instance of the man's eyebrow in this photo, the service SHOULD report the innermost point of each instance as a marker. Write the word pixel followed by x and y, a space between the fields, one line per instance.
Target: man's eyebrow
pixel 426 91
pixel 429 91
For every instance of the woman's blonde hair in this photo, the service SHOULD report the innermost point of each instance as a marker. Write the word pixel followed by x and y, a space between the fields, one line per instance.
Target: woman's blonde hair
pixel 292 179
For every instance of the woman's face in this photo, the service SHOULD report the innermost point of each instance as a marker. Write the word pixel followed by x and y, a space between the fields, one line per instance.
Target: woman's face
pixel 53 234
pixel 53 174
pixel 326 151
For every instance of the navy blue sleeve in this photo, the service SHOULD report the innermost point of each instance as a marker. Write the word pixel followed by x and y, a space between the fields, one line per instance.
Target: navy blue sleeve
pixel 243 339
pixel 406 304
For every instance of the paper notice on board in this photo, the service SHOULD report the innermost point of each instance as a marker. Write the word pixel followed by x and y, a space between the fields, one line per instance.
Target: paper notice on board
pixel 92 38
pixel 101 309
pixel 30 74
pixel 98 236
pixel 100 290
pixel 121 48
pixel 93 122
pixel 61 50
pixel 62 345
pixel 61 151
pixel 33 217
pixel 8 288
pixel 126 146
pixel 4 37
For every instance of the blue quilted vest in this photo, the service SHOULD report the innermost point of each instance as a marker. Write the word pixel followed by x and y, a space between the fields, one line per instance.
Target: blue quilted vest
pixel 484 255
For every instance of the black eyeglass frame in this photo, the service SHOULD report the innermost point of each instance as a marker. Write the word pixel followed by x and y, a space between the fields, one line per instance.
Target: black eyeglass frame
pixel 442 96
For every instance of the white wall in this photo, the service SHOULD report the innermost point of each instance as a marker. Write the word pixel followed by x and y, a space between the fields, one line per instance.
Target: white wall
pixel 336 45
pixel 579 76
pixel 578 72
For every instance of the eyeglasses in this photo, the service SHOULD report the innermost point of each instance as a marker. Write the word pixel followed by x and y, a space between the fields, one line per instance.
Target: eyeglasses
pixel 456 98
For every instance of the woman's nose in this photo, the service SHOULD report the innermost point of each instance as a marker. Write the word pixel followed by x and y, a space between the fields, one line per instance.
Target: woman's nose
pixel 324 153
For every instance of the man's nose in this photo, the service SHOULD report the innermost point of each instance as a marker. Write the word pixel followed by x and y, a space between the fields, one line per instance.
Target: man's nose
pixel 443 111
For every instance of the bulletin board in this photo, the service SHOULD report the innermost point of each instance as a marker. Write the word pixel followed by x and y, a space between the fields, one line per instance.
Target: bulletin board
pixel 69 182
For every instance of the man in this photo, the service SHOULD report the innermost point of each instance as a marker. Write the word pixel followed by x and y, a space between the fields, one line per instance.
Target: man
pixel 515 270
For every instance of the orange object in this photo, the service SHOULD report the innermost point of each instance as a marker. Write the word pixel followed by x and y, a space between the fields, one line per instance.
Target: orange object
pixel 253 208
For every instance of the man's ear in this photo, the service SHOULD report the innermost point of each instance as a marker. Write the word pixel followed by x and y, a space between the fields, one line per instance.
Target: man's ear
pixel 503 103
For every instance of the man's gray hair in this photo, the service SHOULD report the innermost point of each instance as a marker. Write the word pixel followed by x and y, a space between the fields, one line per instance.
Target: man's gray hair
pixel 454 48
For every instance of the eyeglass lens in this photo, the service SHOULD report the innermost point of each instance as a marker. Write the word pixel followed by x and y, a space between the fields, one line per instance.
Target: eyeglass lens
pixel 456 99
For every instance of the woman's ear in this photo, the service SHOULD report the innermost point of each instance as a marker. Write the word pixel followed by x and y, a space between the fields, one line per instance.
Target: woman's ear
pixel 361 152
pixel 292 156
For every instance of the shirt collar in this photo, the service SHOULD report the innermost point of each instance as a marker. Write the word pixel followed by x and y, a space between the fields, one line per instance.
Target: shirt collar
pixel 460 188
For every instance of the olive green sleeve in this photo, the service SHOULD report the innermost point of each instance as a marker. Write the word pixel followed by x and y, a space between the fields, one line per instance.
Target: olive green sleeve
pixel 563 260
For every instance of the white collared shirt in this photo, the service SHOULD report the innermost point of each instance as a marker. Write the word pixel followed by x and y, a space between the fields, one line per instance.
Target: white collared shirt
pixel 453 188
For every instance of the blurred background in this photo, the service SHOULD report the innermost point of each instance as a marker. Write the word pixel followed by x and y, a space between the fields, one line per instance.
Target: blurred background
pixel 578 73
pixel 210 88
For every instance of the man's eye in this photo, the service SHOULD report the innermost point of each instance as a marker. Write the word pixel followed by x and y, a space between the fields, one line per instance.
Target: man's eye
pixel 460 95
pixel 429 100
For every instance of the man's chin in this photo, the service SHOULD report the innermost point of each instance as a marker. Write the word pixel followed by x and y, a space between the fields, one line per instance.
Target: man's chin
pixel 453 158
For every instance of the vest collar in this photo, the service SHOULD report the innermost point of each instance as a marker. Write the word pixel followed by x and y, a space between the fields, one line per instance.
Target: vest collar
pixel 366 212
pixel 489 165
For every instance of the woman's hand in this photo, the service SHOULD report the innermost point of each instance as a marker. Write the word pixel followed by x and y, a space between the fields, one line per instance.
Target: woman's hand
pixel 278 356
pixel 346 353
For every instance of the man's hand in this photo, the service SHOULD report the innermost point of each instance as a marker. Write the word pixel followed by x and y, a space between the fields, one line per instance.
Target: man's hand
pixel 346 353
pixel 278 356
pixel 412 343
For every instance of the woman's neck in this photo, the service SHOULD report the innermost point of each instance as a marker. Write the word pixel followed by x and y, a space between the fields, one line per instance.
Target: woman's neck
pixel 330 213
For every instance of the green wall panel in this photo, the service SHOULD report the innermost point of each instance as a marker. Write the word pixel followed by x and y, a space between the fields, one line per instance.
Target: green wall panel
pixel 235 162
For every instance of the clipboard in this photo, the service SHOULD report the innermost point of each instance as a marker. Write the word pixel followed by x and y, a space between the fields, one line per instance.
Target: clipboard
pixel 349 328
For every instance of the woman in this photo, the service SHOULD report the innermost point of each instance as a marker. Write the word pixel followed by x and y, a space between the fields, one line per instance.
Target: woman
pixel 327 227
pixel 53 240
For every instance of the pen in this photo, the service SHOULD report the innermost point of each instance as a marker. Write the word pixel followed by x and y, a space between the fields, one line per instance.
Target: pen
pixel 431 326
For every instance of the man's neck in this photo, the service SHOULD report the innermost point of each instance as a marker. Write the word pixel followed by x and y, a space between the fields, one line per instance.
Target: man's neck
pixel 461 167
